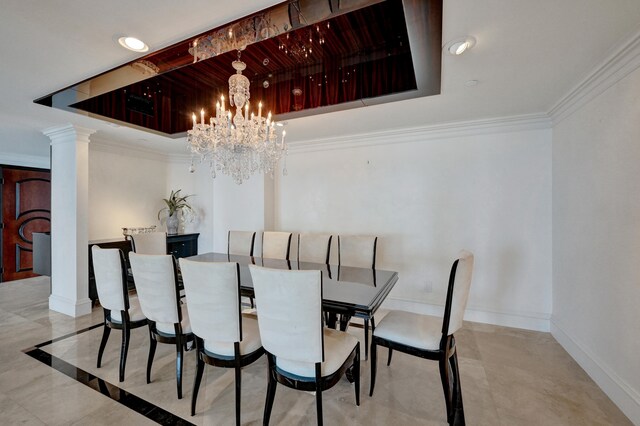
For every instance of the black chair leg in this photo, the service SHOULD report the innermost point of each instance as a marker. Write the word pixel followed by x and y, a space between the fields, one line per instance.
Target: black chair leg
pixel 105 336
pixel 319 404
pixel 446 385
pixel 152 352
pixel 458 409
pixel 356 373
pixel 126 334
pixel 374 361
pixel 343 322
pixel 331 320
pixel 389 358
pixel 271 396
pixel 238 393
pixel 179 363
pixel 196 383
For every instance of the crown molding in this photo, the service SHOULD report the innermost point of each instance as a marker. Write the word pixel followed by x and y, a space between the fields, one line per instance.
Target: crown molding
pixel 181 159
pixel 424 133
pixel 22 160
pixel 393 136
pixel 614 68
pixel 111 147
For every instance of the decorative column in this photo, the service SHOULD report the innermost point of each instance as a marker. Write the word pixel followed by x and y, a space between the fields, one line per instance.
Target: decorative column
pixel 69 219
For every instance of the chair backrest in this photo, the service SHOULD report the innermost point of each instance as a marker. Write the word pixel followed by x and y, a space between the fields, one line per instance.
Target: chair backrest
pixel 314 248
pixel 290 314
pixel 458 292
pixel 240 242
pixel 149 243
pixel 357 250
pixel 276 245
pixel 108 267
pixel 155 278
pixel 212 290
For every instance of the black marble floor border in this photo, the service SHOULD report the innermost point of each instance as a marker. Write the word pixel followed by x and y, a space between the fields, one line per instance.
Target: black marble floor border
pixel 129 400
pixel 66 336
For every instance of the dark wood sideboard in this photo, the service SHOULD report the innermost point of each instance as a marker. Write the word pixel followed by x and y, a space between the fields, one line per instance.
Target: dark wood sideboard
pixel 179 245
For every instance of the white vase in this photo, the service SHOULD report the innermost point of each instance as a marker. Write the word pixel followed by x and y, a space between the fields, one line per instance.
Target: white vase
pixel 172 224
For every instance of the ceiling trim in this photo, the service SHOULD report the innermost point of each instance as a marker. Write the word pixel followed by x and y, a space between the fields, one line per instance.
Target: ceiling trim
pixel 395 136
pixel 22 160
pixel 419 134
pixel 109 146
pixel 614 68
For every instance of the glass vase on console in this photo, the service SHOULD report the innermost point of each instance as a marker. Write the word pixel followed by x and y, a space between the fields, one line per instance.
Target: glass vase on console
pixel 172 224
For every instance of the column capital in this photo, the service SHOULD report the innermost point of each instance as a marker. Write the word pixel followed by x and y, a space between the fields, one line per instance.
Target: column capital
pixel 68 133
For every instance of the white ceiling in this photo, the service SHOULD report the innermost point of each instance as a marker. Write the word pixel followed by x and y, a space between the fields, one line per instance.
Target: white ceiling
pixel 529 54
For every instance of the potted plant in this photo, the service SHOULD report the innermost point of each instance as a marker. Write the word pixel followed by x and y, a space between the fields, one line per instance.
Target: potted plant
pixel 174 204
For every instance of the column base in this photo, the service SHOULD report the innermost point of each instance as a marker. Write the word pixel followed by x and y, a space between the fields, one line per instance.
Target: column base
pixel 70 307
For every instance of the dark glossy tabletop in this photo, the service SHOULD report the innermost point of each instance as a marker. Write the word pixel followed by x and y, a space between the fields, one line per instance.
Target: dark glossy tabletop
pixel 346 289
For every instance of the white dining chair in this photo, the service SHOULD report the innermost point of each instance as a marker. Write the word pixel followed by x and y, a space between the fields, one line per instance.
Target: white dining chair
pixel 276 245
pixel 430 337
pixel 240 242
pixel 149 243
pixel 156 280
pixel 302 354
pixel 121 312
pixel 359 251
pixel 224 337
pixel 315 248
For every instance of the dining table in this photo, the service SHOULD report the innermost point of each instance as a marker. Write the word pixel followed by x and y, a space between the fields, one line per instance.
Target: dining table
pixel 347 291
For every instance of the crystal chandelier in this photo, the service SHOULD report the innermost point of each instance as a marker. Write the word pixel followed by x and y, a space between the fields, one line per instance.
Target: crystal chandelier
pixel 238 146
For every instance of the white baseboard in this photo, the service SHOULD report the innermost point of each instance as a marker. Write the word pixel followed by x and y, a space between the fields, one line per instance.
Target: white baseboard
pixel 69 307
pixel 535 322
pixel 621 393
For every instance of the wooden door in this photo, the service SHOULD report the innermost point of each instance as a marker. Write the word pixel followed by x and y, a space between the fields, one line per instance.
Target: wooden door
pixel 26 208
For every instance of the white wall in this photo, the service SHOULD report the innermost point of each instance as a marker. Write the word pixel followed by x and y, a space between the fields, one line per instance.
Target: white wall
pixel 200 185
pixel 239 207
pixel 426 199
pixel 220 203
pixel 126 189
pixel 596 240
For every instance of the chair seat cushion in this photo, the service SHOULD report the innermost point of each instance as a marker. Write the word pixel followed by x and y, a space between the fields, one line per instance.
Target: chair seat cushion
pixel 250 340
pixel 135 312
pixel 168 328
pixel 415 330
pixel 338 345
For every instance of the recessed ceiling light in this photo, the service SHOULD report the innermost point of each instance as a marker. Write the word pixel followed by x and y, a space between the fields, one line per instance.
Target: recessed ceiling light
pixel 471 83
pixel 133 43
pixel 460 45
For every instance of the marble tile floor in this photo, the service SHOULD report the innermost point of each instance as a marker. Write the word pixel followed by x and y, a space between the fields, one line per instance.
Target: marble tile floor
pixel 509 377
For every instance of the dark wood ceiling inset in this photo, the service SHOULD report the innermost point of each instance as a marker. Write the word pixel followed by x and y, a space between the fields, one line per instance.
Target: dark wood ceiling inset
pixel 349 57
